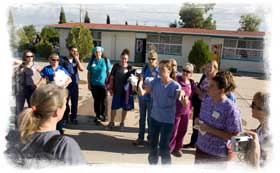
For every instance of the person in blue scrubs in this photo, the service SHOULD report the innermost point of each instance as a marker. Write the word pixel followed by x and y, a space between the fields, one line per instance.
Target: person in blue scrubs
pixel 72 64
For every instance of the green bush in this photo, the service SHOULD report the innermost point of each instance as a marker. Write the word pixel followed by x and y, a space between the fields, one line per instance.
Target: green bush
pixel 199 54
pixel 44 48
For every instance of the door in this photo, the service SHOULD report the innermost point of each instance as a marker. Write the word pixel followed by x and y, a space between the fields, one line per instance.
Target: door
pixel 140 50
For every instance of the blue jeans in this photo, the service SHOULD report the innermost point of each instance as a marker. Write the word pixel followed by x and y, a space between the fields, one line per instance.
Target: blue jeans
pixel 163 130
pixel 145 108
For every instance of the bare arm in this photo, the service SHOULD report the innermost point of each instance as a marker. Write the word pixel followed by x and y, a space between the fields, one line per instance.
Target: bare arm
pixel 40 81
pixel 80 66
pixel 143 90
pixel 88 79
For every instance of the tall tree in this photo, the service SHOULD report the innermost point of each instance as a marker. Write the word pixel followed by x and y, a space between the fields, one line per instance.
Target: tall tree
pixel 200 54
pixel 249 22
pixel 62 18
pixel 174 24
pixel 82 39
pixel 87 19
pixel 12 31
pixel 192 16
pixel 50 34
pixel 108 19
pixel 126 23
pixel 10 18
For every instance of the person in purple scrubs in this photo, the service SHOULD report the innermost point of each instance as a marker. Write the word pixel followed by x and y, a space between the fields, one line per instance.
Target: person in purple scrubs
pixel 219 120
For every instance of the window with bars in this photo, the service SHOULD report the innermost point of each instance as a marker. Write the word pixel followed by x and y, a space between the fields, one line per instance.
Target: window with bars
pixel 243 49
pixel 165 44
pixel 96 38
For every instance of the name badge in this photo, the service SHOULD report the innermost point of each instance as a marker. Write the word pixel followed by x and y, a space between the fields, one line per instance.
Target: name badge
pixel 74 64
pixel 216 115
pixel 93 65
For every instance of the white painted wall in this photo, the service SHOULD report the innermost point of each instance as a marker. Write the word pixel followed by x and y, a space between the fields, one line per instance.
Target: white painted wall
pixel 115 42
pixel 247 66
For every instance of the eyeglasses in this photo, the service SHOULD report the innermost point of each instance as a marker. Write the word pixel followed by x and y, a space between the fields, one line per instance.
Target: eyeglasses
pixel 254 106
pixel 186 71
pixel 29 56
pixel 151 59
pixel 55 59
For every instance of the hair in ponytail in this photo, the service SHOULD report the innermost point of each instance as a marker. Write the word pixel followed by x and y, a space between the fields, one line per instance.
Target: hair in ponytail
pixel 45 100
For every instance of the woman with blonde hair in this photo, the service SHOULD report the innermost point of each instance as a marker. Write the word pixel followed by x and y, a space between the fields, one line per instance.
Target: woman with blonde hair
pixel 260 146
pixel 37 125
pixel 149 70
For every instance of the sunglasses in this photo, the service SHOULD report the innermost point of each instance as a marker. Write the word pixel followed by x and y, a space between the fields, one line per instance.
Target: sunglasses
pixel 254 106
pixel 29 56
pixel 55 59
pixel 151 59
pixel 186 71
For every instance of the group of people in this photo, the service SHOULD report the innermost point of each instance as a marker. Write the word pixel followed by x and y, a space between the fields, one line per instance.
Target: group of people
pixel 167 100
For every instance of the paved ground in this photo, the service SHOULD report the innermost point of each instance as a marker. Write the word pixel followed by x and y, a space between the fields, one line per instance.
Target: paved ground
pixel 102 146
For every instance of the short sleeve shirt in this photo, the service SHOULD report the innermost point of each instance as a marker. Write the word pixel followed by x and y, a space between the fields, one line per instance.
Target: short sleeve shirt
pixel 48 72
pixel 98 71
pixel 224 116
pixel 164 99
pixel 67 149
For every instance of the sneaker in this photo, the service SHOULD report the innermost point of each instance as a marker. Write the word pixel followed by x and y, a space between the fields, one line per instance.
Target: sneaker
pixel 96 121
pixel 102 118
pixel 121 127
pixel 138 143
pixel 189 145
pixel 177 153
pixel 110 126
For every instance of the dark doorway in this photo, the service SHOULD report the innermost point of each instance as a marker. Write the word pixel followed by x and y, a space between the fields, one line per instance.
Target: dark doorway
pixel 140 50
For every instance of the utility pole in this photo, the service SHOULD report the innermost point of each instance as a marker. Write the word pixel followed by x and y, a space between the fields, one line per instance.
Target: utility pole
pixel 80 13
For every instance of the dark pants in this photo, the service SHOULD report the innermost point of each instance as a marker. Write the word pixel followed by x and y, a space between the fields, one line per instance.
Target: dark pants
pixel 99 95
pixel 196 110
pixel 145 108
pixel 25 96
pixel 73 89
pixel 163 130
pixel 205 158
pixel 73 94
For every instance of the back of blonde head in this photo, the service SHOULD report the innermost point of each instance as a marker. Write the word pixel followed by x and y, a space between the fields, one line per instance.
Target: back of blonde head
pixel 45 100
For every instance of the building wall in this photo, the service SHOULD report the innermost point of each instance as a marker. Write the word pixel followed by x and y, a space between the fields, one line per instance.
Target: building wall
pixel 242 65
pixel 63 33
pixel 115 42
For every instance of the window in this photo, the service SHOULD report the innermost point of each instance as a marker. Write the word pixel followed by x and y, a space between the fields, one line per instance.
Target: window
pixel 243 49
pixel 165 44
pixel 96 38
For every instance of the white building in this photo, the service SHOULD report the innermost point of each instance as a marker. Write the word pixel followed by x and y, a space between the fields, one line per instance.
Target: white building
pixel 243 51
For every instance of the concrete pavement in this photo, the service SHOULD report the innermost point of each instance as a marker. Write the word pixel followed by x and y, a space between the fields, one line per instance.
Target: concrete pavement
pixel 102 146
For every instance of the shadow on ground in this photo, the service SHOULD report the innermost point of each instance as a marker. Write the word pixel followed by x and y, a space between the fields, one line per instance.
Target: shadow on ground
pixel 86 122
pixel 102 142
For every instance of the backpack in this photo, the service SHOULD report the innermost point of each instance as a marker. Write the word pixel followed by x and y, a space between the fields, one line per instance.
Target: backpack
pixel 27 156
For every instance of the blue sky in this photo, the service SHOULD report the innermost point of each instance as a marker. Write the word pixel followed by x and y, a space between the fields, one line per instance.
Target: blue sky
pixel 226 15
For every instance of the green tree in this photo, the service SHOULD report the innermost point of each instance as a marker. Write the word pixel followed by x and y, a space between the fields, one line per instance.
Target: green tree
pixel 50 34
pixel 192 16
pixel 82 39
pixel 44 48
pixel 108 19
pixel 62 18
pixel 174 24
pixel 30 32
pixel 249 22
pixel 87 19
pixel 23 42
pixel 72 37
pixel 199 54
